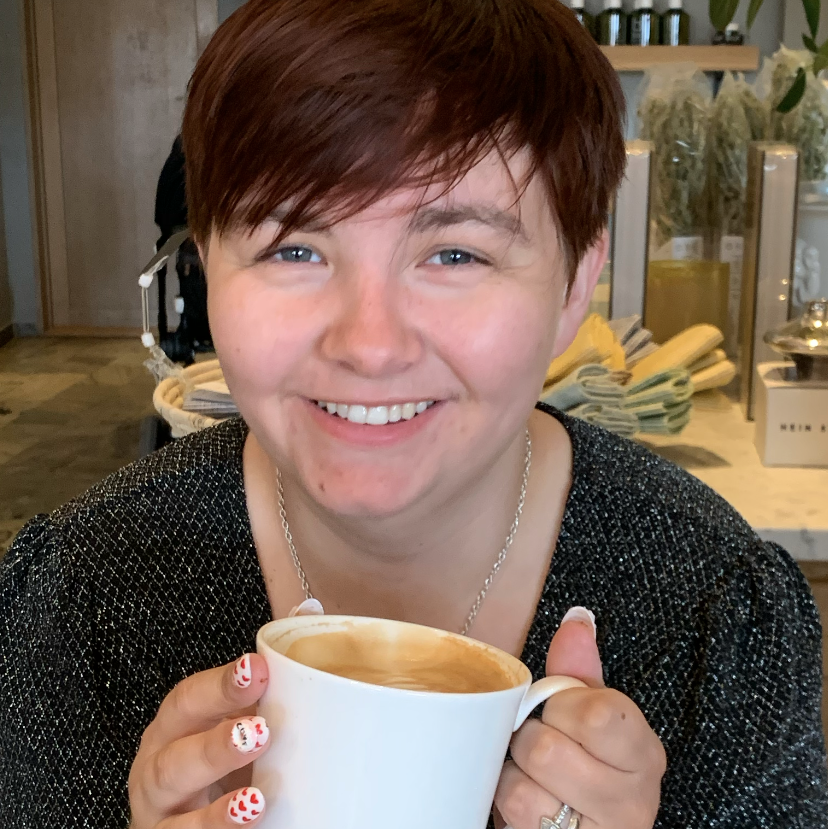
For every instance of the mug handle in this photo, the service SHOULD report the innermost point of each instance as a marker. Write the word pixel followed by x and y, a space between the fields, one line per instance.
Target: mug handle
pixel 540 691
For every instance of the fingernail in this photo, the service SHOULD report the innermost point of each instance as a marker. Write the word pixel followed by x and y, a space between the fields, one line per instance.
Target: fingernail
pixel 580 614
pixel 310 607
pixel 242 673
pixel 246 805
pixel 249 734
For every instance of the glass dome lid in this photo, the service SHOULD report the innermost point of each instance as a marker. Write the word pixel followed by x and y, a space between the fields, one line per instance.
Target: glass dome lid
pixel 806 336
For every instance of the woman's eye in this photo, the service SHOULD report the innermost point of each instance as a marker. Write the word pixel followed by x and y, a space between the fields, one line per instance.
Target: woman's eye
pixel 453 256
pixel 297 254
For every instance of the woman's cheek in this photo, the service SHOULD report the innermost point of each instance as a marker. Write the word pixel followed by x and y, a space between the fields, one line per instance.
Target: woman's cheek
pixel 503 343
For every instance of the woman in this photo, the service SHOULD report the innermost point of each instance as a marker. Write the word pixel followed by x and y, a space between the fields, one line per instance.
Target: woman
pixel 402 210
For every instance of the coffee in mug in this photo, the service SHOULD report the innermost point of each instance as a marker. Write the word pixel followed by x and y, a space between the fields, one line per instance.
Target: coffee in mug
pixel 378 724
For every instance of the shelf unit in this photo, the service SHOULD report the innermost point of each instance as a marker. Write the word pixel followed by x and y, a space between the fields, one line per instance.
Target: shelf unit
pixel 707 58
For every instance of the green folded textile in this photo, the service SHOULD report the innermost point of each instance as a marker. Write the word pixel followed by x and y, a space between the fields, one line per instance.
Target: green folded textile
pixel 611 418
pixel 592 383
pixel 649 396
pixel 669 422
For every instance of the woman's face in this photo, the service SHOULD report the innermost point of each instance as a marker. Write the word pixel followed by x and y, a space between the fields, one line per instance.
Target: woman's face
pixel 457 304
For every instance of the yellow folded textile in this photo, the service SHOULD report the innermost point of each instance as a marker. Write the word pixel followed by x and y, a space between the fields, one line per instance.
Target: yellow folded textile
pixel 595 342
pixel 715 376
pixel 717 355
pixel 680 351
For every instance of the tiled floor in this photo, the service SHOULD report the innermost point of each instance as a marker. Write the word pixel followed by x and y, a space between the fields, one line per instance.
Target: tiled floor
pixel 70 413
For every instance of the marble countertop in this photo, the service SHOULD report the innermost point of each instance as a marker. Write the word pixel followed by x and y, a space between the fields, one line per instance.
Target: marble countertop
pixel 785 505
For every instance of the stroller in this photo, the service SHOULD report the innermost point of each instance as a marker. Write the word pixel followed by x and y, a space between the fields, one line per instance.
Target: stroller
pixel 193 333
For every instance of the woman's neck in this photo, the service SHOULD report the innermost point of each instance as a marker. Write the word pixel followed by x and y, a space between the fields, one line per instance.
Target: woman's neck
pixel 426 564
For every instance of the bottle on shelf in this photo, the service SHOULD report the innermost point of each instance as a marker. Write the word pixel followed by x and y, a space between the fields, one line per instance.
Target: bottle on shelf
pixel 731 36
pixel 643 25
pixel 612 24
pixel 584 17
pixel 675 25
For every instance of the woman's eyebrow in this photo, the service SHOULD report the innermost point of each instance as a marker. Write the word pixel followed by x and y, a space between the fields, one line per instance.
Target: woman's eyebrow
pixel 430 218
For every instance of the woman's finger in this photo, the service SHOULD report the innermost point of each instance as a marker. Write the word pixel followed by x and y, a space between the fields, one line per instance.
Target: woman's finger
pixel 521 801
pixel 564 769
pixel 241 808
pixel 205 699
pixel 609 725
pixel 186 767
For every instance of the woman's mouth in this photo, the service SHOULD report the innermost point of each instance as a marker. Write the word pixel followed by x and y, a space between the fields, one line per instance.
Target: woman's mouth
pixel 375 415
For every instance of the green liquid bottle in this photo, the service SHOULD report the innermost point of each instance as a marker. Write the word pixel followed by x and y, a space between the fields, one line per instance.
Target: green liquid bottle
pixel 675 25
pixel 643 24
pixel 612 24
pixel 584 17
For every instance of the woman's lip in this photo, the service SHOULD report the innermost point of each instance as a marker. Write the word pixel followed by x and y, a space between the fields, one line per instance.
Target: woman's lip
pixel 366 435
pixel 387 405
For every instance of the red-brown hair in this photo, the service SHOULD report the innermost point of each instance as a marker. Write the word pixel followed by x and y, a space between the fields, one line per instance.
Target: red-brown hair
pixel 328 105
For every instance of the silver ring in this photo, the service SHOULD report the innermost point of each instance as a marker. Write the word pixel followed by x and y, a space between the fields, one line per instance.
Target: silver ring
pixel 566 818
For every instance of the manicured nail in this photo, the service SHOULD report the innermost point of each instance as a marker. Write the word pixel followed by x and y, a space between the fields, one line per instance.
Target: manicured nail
pixel 242 673
pixel 246 805
pixel 310 607
pixel 580 614
pixel 250 734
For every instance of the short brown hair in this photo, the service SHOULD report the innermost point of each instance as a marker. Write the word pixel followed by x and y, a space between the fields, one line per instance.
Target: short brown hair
pixel 328 105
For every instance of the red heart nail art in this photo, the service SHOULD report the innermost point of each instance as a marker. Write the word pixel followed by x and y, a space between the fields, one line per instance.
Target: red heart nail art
pixel 242 805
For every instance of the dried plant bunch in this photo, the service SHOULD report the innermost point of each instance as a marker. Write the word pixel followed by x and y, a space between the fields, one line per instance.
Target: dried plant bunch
pixel 737 117
pixel 674 115
pixel 806 125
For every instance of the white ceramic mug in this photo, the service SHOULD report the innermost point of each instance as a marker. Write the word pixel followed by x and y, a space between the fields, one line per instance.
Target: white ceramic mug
pixel 354 755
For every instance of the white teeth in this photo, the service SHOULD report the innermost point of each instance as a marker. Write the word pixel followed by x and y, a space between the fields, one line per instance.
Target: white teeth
pixel 376 415
pixel 357 414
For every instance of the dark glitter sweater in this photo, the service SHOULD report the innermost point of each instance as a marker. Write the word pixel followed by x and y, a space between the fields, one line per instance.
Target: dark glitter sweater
pixel 151 576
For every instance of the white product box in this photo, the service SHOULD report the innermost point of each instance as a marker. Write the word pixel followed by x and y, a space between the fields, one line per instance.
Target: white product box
pixel 791 417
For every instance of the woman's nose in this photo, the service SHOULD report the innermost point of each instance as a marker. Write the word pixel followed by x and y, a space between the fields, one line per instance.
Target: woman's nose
pixel 370 336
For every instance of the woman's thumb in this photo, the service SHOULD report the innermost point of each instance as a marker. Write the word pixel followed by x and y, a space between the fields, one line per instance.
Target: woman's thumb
pixel 573 651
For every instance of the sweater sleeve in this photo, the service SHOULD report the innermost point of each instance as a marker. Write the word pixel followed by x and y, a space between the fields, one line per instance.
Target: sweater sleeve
pixel 750 749
pixel 65 750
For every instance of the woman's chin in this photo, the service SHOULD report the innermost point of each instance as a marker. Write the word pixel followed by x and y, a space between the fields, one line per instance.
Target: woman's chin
pixel 363 492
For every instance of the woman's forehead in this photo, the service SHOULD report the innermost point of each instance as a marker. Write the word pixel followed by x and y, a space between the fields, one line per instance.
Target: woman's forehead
pixel 496 191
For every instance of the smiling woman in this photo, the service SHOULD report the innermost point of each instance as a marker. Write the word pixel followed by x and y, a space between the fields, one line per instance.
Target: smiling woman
pixel 402 209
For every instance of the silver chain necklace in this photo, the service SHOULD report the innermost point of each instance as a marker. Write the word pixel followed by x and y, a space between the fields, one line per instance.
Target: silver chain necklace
pixel 481 596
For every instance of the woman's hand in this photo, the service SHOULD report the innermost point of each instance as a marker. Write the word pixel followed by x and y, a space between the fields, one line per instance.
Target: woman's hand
pixel 592 750
pixel 205 730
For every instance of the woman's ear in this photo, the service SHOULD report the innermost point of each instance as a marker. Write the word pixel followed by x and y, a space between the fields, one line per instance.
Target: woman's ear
pixel 580 293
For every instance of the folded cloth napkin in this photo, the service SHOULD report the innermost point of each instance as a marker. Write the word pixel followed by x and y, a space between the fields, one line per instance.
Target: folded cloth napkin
pixel 717 355
pixel 588 384
pixel 671 421
pixel 664 388
pixel 611 418
pixel 714 376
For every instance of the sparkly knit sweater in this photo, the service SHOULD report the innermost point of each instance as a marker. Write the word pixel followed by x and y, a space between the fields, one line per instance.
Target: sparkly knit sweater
pixel 153 575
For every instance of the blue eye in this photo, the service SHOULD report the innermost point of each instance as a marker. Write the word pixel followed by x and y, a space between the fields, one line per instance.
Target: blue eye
pixel 453 256
pixel 297 254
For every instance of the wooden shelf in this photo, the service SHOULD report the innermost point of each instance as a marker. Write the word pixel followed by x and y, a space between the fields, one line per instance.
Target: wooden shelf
pixel 707 58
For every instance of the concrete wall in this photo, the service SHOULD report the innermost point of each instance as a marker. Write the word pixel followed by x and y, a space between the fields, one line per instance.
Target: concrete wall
pixel 6 311
pixel 14 163
pixel 227 7
pixel 795 24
